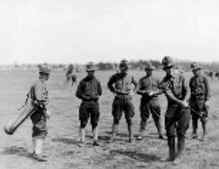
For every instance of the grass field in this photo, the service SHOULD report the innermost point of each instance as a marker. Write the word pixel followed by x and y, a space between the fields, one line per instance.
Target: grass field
pixel 62 147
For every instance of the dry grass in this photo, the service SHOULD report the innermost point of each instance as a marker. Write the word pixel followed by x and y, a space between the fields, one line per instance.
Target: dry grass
pixel 62 147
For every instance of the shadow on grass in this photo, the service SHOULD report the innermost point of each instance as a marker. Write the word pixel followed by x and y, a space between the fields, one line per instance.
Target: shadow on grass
pixel 16 150
pixel 118 134
pixel 65 140
pixel 142 157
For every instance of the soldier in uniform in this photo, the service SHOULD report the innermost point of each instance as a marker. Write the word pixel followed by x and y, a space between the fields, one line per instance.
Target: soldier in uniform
pixel 148 89
pixel 89 90
pixel 178 114
pixel 38 96
pixel 122 84
pixel 200 94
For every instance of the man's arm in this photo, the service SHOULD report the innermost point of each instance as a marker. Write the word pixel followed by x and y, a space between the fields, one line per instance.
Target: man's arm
pixel 99 89
pixel 134 82
pixel 110 84
pixel 185 90
pixel 139 88
pixel 170 95
pixel 164 86
pixel 80 93
pixel 207 86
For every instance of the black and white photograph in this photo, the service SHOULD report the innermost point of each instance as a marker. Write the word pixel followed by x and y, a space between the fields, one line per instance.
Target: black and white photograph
pixel 109 84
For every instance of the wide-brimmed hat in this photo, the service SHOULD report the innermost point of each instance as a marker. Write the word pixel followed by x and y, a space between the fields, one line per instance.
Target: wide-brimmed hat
pixel 90 67
pixel 44 69
pixel 195 66
pixel 123 64
pixel 149 66
pixel 167 62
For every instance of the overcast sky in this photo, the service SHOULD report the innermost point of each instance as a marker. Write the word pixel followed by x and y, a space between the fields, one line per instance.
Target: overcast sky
pixel 62 31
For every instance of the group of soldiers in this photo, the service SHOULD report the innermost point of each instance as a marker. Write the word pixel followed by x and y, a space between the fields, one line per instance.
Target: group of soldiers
pixel 181 105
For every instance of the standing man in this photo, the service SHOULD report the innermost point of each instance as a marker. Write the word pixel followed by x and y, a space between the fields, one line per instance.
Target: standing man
pixel 89 90
pixel 200 94
pixel 148 89
pixel 38 96
pixel 177 115
pixel 122 84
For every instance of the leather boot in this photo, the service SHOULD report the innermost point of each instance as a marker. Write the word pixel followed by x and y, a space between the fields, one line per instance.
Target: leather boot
pixel 142 129
pixel 203 121
pixel 194 127
pixel 171 145
pixel 159 129
pixel 114 131
pixel 180 146
pixel 180 149
pixel 131 137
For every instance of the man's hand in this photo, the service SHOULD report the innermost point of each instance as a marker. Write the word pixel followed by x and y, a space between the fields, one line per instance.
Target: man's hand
pixel 48 114
pixel 184 104
pixel 207 103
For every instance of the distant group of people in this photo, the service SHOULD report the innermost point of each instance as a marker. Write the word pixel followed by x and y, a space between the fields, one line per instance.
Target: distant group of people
pixel 180 108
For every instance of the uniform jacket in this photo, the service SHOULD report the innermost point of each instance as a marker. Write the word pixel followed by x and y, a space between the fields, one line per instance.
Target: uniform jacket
pixel 199 86
pixel 89 89
pixel 121 83
pixel 39 93
pixel 148 84
pixel 177 85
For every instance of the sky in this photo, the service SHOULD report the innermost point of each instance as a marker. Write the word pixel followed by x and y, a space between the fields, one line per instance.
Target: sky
pixel 64 31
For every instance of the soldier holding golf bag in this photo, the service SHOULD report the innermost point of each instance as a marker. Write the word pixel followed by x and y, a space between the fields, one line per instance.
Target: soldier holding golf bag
pixel 35 108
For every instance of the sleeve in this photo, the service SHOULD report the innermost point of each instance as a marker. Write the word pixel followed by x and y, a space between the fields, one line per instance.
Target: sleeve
pixel 185 89
pixel 163 85
pixel 207 89
pixel 99 89
pixel 111 83
pixel 134 82
pixel 79 91
pixel 190 83
pixel 31 93
pixel 139 87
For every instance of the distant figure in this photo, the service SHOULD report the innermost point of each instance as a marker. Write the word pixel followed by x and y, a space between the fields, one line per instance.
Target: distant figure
pixel 200 94
pixel 70 76
pixel 210 74
pixel 179 69
pixel 217 75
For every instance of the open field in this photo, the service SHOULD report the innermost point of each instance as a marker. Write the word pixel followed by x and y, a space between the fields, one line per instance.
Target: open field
pixel 62 147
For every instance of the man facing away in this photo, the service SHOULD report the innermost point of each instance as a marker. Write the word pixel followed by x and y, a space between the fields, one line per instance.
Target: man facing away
pixel 89 90
pixel 121 84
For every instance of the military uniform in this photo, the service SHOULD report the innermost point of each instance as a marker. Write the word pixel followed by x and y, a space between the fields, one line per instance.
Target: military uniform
pixel 122 101
pixel 200 93
pixel 88 91
pixel 176 113
pixel 122 85
pixel 149 104
pixel 177 116
pixel 39 96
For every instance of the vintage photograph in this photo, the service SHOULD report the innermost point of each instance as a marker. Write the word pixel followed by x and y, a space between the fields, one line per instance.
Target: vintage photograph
pixel 109 84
